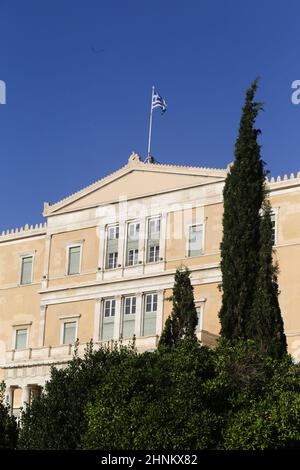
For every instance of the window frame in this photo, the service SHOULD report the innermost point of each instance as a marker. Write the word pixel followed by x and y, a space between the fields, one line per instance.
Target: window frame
pixel 157 219
pixel 197 224
pixel 68 248
pixel 107 320
pixel 116 234
pixel 274 218
pixel 144 311
pixel 133 240
pixel 136 234
pixel 135 257
pixel 30 254
pixel 68 319
pixel 156 256
pixel 131 298
pixel 131 316
pixel 20 326
pixel 200 303
pixel 108 228
pixel 110 299
pixel 114 259
pixel 152 294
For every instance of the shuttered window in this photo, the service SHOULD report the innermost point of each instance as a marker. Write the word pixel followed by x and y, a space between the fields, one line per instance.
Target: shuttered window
pixel 112 243
pixel 108 321
pixel 129 310
pixel 132 243
pixel 150 314
pixel 153 240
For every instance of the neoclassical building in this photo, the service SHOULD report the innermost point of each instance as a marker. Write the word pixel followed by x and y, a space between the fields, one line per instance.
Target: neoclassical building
pixel 102 266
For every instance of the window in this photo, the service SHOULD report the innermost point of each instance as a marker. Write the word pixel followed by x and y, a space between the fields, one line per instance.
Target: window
pixel 153 240
pixel 129 310
pixel 26 270
pixel 273 221
pixel 69 332
pixel 21 338
pixel 153 254
pixel 132 256
pixel 113 232
pixel 130 305
pixel 112 260
pixel 112 247
pixel 109 309
pixel 133 230
pixel 199 318
pixel 150 313
pixel 74 259
pixel 195 240
pixel 154 226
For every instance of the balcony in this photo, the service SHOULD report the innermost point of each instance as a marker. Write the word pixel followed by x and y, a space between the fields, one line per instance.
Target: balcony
pixel 64 353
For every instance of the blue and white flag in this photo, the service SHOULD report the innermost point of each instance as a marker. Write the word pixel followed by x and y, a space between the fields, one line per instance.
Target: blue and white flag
pixel 158 102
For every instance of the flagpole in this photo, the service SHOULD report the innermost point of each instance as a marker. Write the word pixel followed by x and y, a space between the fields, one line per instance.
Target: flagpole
pixel 150 128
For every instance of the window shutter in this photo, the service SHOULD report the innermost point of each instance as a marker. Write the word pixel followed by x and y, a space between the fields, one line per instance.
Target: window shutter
pixel 150 312
pixel 153 236
pixel 112 243
pixel 108 320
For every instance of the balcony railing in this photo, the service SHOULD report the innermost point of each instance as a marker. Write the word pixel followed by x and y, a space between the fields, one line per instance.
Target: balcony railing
pixel 64 353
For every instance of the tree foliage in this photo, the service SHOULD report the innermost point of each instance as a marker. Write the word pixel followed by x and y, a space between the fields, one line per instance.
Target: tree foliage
pixel 187 397
pixel 8 425
pixel 156 400
pixel 56 420
pixel 269 419
pixel 191 398
pixel 183 320
pixel 266 324
pixel 250 307
pixel 243 197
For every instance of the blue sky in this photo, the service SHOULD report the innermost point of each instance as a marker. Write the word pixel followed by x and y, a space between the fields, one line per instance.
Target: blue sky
pixel 79 76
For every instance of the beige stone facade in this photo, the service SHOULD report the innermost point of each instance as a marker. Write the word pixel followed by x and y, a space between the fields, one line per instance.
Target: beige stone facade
pixel 102 267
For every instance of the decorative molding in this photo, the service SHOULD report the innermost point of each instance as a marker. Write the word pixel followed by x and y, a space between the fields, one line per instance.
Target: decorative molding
pixel 17 325
pixel 70 317
pixel 136 164
pixel 21 232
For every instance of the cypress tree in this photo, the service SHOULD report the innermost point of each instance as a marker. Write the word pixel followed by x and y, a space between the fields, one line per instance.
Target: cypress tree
pixel 183 320
pixel 266 325
pixel 243 197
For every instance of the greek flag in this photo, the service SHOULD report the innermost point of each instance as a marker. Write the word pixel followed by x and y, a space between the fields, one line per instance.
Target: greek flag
pixel 158 102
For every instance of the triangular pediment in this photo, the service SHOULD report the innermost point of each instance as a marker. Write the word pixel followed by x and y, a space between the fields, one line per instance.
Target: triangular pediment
pixel 136 179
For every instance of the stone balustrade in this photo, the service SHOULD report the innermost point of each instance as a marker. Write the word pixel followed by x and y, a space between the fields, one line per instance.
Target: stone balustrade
pixel 64 353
